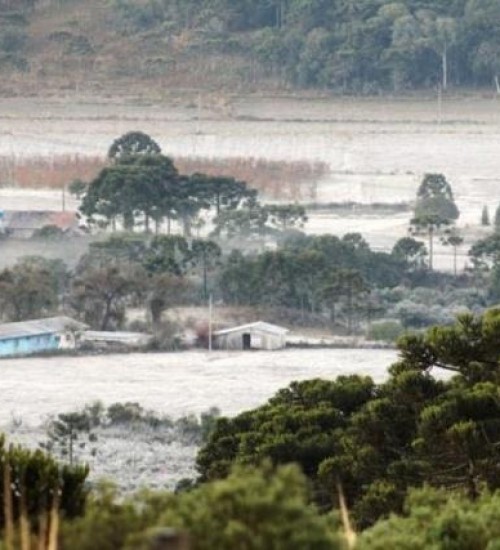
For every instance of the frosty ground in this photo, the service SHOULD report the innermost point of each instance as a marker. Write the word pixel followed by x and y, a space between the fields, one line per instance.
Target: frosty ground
pixel 174 384
pixel 377 149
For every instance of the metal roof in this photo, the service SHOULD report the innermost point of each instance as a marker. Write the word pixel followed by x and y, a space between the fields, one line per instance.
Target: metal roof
pixel 36 327
pixel 116 337
pixel 258 325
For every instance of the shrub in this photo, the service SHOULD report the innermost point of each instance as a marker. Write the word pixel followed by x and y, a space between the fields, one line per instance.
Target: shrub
pixel 48 232
pixel 387 331
pixel 12 40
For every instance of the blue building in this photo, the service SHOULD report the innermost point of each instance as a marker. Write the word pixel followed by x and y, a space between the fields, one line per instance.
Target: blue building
pixel 28 337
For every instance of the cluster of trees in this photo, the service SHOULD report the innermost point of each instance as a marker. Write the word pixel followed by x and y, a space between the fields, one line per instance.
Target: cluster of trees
pixel 359 46
pixel 311 274
pixel 317 279
pixel 141 186
pixel 378 441
pixel 36 491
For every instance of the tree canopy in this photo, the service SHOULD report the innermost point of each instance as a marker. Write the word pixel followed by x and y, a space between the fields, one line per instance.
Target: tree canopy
pixel 380 440
pixel 360 46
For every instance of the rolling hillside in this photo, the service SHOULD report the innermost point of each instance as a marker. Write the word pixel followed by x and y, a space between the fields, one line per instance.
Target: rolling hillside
pixel 152 47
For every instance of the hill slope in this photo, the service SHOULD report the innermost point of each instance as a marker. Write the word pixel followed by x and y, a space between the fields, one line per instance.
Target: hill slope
pixel 152 46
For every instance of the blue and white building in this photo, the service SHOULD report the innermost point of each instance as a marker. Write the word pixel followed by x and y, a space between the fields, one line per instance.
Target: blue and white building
pixel 40 335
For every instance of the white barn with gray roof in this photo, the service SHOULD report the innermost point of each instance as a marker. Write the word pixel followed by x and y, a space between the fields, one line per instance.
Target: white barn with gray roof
pixel 252 336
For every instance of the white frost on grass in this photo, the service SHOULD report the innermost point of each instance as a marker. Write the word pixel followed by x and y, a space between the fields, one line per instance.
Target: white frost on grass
pixel 169 384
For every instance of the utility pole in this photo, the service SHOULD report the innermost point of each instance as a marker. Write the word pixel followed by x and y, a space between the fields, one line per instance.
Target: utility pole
pixel 440 104
pixel 210 308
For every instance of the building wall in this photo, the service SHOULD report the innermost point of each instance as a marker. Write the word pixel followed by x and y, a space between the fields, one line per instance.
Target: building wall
pixel 259 340
pixel 26 345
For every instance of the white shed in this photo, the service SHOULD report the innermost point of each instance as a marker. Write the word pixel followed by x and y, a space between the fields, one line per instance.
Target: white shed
pixel 258 335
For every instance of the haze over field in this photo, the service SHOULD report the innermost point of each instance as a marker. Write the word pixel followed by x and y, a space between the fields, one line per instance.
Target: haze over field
pixel 376 150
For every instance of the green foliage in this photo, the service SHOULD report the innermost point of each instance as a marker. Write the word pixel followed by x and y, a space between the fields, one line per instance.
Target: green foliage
pixel 77 188
pixel 254 508
pixel 100 295
pixel 49 232
pixel 143 185
pixel 138 184
pixel 438 519
pixel 131 144
pixel 30 288
pixel 366 47
pixel 310 273
pixel 381 440
pixel 38 475
pixel 258 509
pixel 12 39
pixel 434 209
pixel 70 432
pixel 387 331
pixel 497 219
pixel 411 251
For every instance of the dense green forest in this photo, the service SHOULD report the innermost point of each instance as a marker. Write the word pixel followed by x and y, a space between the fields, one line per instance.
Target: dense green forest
pixel 363 46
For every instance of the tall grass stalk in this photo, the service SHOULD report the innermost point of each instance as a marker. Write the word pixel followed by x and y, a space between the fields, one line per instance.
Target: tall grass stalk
pixel 7 505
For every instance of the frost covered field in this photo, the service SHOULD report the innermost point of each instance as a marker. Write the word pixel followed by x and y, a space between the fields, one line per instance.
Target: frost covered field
pixel 377 149
pixel 174 384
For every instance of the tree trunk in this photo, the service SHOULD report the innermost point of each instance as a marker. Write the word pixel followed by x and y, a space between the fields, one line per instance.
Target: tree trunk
pixel 186 226
pixel 444 59
pixel 431 247
pixel 349 311
pixel 107 315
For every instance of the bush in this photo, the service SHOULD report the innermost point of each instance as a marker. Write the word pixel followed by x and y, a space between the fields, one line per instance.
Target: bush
pixel 48 232
pixel 254 508
pixel 417 315
pixel 12 40
pixel 166 337
pixel 439 519
pixel 387 331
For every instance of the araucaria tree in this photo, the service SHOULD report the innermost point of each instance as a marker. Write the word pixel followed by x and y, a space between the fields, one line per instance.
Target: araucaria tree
pixel 141 185
pixel 136 186
pixel 435 208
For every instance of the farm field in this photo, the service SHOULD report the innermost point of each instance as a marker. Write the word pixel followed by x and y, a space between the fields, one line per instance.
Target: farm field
pixel 174 384
pixel 376 150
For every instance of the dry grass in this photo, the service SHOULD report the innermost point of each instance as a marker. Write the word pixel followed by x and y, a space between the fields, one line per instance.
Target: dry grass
pixel 278 180
pixel 43 172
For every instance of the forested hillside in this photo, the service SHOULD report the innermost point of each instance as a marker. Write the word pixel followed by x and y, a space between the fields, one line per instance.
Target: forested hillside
pixel 361 46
